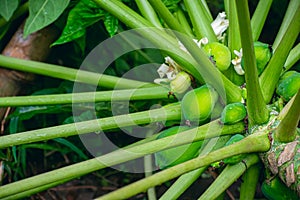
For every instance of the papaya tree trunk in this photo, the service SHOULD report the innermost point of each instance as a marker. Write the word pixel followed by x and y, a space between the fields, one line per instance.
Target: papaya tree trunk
pixel 35 47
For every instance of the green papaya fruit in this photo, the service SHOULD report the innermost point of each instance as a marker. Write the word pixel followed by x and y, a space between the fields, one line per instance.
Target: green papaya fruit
pixel 198 104
pixel 176 155
pixel 220 54
pixel 237 158
pixel 288 85
pixel 233 113
pixel 263 54
pixel 181 83
pixel 277 190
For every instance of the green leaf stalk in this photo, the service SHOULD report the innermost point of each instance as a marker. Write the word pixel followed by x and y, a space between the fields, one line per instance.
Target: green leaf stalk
pixel 254 143
pixel 70 74
pixel 129 153
pixel 272 72
pixel 200 20
pixel 249 183
pixel 170 112
pixel 287 128
pixel 85 97
pixel 256 106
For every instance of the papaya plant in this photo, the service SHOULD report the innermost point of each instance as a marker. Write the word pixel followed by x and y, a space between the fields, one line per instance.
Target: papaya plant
pixel 235 107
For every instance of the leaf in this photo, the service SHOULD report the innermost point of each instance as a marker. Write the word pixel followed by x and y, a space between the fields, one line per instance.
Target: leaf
pixel 83 15
pixel 71 146
pixel 42 13
pixel 25 113
pixel 111 24
pixel 8 8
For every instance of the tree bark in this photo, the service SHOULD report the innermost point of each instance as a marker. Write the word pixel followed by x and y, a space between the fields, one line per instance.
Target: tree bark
pixel 35 47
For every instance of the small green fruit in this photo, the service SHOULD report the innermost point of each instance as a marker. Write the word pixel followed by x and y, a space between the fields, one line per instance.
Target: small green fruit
pixel 263 54
pixel 288 85
pixel 233 113
pixel 237 158
pixel 176 155
pixel 198 104
pixel 181 83
pixel 220 54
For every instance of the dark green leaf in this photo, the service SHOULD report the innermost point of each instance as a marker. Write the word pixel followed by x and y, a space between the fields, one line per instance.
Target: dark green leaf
pixel 83 15
pixel 111 24
pixel 8 7
pixel 43 13
pixel 87 115
pixel 25 113
pixel 71 146
pixel 44 146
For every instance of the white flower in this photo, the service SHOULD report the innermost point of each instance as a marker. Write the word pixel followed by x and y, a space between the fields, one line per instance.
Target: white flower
pixel 220 24
pixel 162 70
pixel 199 43
pixel 170 71
pixel 237 61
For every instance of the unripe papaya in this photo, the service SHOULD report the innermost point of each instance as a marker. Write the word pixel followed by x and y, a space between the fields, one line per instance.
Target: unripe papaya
pixel 233 113
pixel 220 54
pixel 237 158
pixel 277 190
pixel 198 104
pixel 176 155
pixel 181 83
pixel 263 54
pixel 288 85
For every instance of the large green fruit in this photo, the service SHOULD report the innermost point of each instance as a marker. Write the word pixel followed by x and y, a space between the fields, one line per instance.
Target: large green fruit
pixel 176 155
pixel 220 54
pixel 233 113
pixel 288 85
pixel 198 104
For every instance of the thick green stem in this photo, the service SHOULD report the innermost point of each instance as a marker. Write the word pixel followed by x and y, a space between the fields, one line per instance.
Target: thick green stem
pixel 293 57
pixel 256 106
pixel 180 16
pixel 259 17
pixel 201 67
pixel 163 11
pixel 228 176
pixel 292 9
pixel 148 12
pixel 200 20
pixel 249 183
pixel 182 183
pixel 114 95
pixel 70 74
pixel 207 11
pixel 254 143
pixel 270 76
pixel 234 40
pixel 170 112
pixel 149 169
pixel 120 156
pixel 185 181
pixel 286 130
